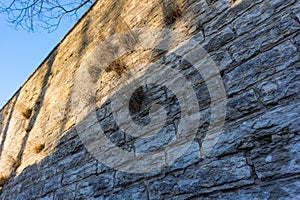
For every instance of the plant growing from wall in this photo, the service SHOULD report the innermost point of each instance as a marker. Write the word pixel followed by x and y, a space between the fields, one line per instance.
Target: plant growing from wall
pixel 39 148
pixel 27 113
pixel 3 179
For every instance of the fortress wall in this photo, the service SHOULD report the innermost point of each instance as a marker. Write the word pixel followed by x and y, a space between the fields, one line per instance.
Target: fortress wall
pixel 255 46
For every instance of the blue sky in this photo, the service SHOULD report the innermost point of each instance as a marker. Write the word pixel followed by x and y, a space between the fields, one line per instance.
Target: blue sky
pixel 22 52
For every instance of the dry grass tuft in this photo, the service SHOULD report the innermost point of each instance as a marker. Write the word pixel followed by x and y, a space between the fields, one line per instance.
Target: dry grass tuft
pixel 27 113
pixel 171 10
pixel 28 129
pixel 117 66
pixel 3 179
pixel 39 148
pixel 17 164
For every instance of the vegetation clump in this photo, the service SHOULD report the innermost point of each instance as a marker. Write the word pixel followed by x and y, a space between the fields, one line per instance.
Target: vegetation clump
pixel 27 113
pixel 3 180
pixel 39 148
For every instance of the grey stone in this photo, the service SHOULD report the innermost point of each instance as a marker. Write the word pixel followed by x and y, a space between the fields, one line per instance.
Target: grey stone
pixel 197 179
pixel 279 158
pixel 283 85
pixel 65 193
pixel 67 137
pixel 286 189
pixel 102 181
pixel 213 10
pixel 37 188
pixel 123 178
pixel 219 40
pixel 47 197
pixel 228 16
pixel 192 155
pixel 259 13
pixel 159 140
pixel 256 47
pixel 46 162
pixel 222 59
pixel 25 195
pixel 79 172
pixel 244 134
pixel 279 58
pixel 131 193
pixel 250 44
pixel 101 168
pixel 52 184
pixel 48 172
pixel 242 104
pixel 72 160
pixel 199 37
pixel 72 146
pixel 296 40
pixel 162 188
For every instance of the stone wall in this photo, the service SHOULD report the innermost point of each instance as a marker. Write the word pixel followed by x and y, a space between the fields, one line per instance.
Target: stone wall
pixel 256 47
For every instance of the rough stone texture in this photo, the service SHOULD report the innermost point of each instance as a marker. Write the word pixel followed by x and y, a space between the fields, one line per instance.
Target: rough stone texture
pixel 255 45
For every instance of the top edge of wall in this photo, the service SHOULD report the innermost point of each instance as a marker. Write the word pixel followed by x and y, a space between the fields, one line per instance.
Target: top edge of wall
pixel 51 52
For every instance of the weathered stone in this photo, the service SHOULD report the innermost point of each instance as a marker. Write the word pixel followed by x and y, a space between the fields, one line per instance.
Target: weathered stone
pixel 134 192
pixel 52 184
pixel 296 40
pixel 80 172
pixel 72 160
pixel 37 188
pixel 48 173
pixel 227 16
pixel 219 40
pixel 269 34
pixel 279 58
pixel 222 59
pixel 47 197
pixel 244 134
pixel 256 48
pixel 101 168
pixel 192 155
pixel 209 174
pixel 72 146
pixel 242 104
pixel 279 158
pixel 67 137
pixel 123 178
pixel 153 143
pixel 213 10
pixel 285 189
pixel 282 85
pixel 67 192
pixel 259 13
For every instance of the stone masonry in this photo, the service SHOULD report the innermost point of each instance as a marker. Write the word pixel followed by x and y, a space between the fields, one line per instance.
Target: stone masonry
pixel 256 47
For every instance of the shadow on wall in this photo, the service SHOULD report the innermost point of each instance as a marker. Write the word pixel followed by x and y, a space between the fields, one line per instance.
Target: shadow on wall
pixel 35 111
pixel 71 171
pixel 170 12
pixel 61 171
pixel 4 132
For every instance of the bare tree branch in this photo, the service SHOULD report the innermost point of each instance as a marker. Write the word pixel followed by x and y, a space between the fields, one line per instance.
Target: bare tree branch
pixel 34 15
